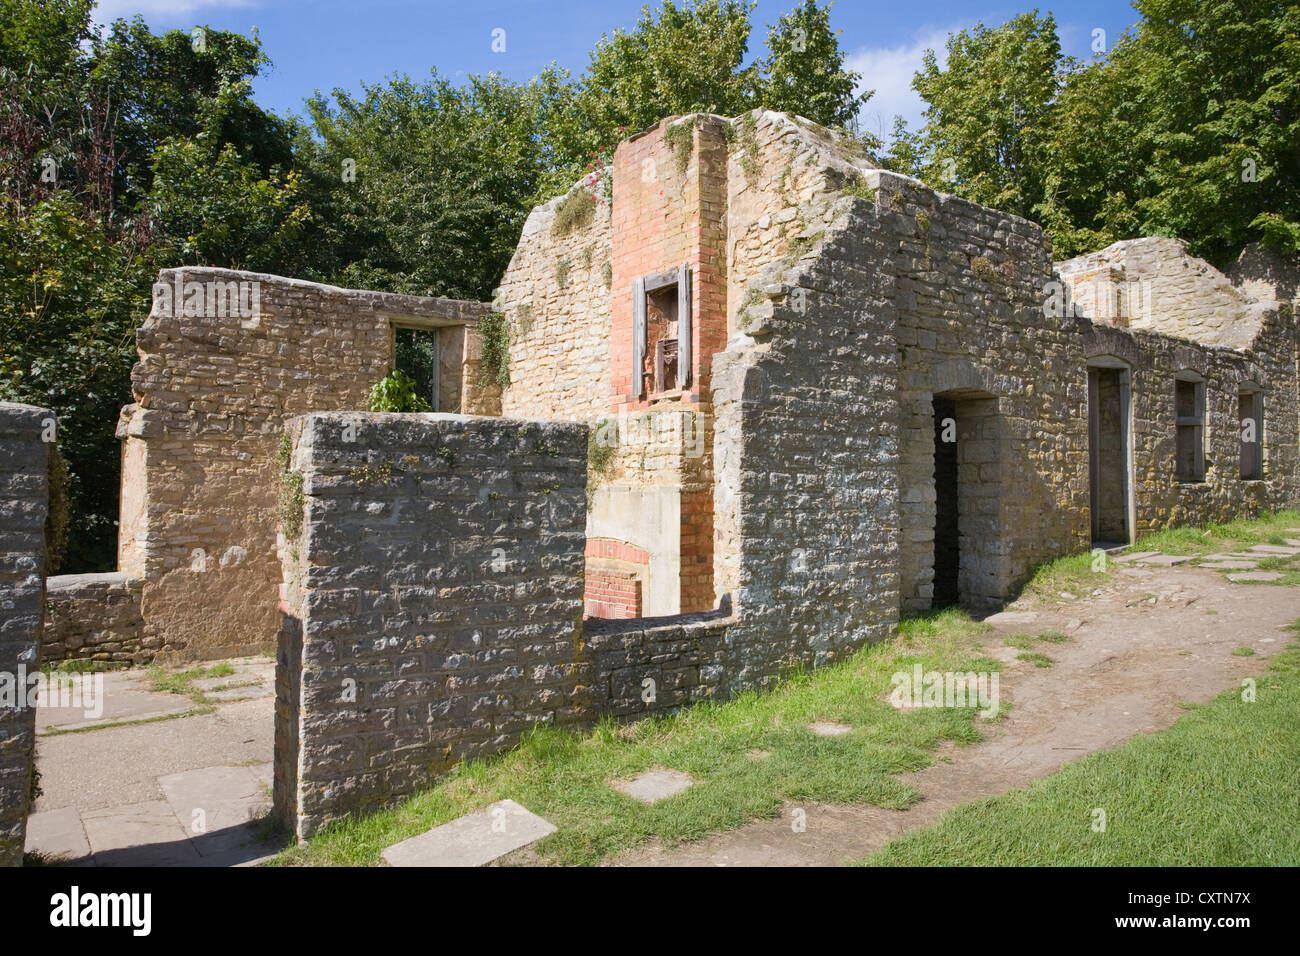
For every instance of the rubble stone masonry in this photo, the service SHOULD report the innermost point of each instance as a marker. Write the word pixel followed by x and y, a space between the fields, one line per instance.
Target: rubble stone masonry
pixel 432 601
pixel 213 389
pixel 24 500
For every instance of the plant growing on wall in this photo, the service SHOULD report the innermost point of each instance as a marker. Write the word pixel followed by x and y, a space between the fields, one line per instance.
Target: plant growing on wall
pixel 602 443
pixel 575 211
pixel 396 392
pixel 494 361
pixel 289 498
pixel 680 138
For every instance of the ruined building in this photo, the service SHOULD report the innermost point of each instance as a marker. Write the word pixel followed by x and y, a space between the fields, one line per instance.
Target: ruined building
pixel 763 398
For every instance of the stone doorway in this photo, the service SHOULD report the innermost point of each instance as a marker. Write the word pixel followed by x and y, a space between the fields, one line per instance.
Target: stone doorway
pixel 967 496
pixel 1109 455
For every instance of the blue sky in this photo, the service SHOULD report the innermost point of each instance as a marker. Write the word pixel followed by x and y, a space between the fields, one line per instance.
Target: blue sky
pixel 326 44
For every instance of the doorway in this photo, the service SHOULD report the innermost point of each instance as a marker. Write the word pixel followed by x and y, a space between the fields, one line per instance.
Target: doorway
pixel 1109 455
pixel 967 560
pixel 947 533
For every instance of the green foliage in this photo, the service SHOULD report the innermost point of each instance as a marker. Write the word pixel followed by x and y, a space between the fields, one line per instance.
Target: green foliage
pixel 221 210
pixel 494 360
pixel 59 513
pixel 562 268
pixel 445 175
pixel 396 392
pixel 290 498
pixel 79 254
pixel 691 58
pixel 804 70
pixel 1187 128
pixel 680 138
pixel 749 157
pixel 990 109
pixel 575 211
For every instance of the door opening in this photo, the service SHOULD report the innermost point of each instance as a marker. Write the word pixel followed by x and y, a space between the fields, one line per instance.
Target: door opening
pixel 947 535
pixel 1108 456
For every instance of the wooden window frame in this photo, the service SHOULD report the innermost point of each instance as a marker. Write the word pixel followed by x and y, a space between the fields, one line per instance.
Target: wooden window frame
pixel 680 276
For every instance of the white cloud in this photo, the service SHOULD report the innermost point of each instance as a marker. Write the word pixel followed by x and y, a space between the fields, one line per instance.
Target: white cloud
pixel 889 71
pixel 108 10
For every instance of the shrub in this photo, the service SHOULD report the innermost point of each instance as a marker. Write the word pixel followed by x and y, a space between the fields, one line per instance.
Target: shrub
pixel 395 392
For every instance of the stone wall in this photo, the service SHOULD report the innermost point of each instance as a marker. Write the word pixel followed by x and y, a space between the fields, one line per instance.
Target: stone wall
pixel 432 602
pixel 95 617
pixel 1266 275
pixel 806 429
pixel 556 295
pixel 655 665
pixel 965 287
pixel 213 388
pixel 1162 501
pixel 1154 284
pixel 24 500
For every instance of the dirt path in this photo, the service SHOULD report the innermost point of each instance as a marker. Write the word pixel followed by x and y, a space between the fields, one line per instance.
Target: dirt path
pixel 1152 638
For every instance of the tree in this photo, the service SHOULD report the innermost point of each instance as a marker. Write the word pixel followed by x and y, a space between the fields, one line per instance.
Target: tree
pixel 424 187
pixel 691 59
pixel 681 60
pixel 86 118
pixel 804 70
pixel 1215 123
pixel 990 112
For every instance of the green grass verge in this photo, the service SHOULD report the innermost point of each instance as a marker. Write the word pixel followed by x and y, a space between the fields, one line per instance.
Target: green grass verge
pixel 1232 536
pixel 1079 574
pixel 564 775
pixel 1216 789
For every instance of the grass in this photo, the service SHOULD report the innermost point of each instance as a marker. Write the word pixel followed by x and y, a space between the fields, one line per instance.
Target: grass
pixel 564 775
pixel 192 712
pixel 1234 535
pixel 1033 657
pixel 1073 574
pixel 82 666
pixel 182 682
pixel 1079 574
pixel 1027 641
pixel 1216 789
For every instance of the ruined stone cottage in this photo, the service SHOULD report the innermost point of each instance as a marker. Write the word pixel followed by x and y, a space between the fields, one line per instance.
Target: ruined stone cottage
pixel 763 398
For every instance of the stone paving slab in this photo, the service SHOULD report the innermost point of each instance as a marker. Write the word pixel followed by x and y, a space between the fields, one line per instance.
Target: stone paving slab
pixel 1135 556
pixel 1011 617
pixel 117 695
pixel 1254 576
pixel 58 835
pixel 1274 549
pixel 654 785
pixel 475 839
pixel 1227 565
pixel 139 834
pixel 215 805
pixel 1167 560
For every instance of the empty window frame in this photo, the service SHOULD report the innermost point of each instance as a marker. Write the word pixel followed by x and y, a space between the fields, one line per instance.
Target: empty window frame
pixel 1189 412
pixel 661 331
pixel 415 352
pixel 1250 421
